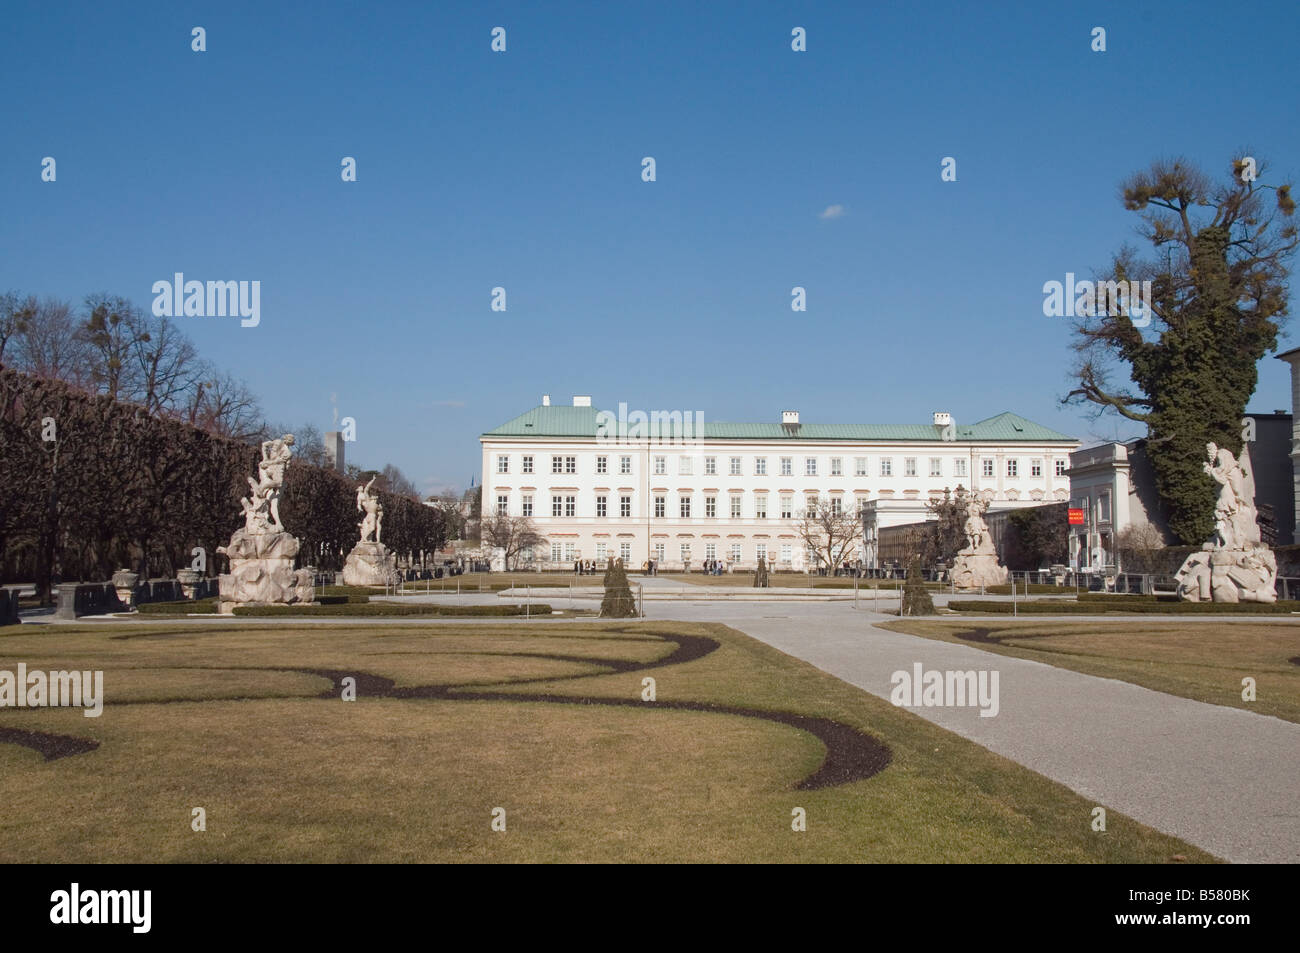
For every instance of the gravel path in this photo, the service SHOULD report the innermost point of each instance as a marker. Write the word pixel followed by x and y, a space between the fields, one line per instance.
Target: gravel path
pixel 1224 779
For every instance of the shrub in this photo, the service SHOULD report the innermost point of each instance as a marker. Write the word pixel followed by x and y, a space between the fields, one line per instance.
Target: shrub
pixel 618 602
pixel 1132 604
pixel 179 607
pixel 916 598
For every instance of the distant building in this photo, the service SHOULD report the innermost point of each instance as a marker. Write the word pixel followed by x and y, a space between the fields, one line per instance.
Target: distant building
pixel 1292 357
pixel 734 492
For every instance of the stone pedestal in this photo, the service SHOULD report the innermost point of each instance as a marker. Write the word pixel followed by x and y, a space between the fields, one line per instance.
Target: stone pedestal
pixel 262 573
pixel 124 581
pixel 972 569
pixel 190 580
pixel 369 564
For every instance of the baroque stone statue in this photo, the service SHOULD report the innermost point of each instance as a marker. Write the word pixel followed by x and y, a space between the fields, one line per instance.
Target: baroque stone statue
pixel 262 553
pixel 977 564
pixel 1235 566
pixel 368 503
pixel 370 563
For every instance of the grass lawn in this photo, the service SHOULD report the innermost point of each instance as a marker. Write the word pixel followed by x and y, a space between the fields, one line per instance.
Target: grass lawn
pixel 1205 661
pixel 546 721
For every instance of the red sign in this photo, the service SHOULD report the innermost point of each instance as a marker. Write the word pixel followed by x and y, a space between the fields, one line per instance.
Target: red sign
pixel 1076 517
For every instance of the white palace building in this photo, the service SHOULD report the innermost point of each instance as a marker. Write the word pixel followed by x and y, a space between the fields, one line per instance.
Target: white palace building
pixel 670 487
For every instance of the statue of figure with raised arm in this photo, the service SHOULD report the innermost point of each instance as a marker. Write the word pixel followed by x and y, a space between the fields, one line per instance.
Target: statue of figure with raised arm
pixel 368 503
pixel 270 473
pixel 370 563
pixel 262 554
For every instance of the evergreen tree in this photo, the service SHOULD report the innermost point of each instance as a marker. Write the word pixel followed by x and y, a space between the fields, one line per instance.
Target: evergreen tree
pixel 618 602
pixel 1219 290
pixel 916 598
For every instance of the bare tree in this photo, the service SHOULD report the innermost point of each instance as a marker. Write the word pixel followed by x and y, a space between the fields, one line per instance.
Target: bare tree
pixel 220 404
pixel 15 312
pixel 109 333
pixel 453 515
pixel 1140 543
pixel 166 366
pixel 829 530
pixel 50 345
pixel 395 481
pixel 511 534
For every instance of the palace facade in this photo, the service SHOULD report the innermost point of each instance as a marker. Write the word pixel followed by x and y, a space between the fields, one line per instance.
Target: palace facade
pixel 735 492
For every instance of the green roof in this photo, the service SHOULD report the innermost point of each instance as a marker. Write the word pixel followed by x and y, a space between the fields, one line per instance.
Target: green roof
pixel 561 421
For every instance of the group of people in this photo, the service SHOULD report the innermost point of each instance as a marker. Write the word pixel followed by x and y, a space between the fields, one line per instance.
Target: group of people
pixel 585 567
pixel 713 567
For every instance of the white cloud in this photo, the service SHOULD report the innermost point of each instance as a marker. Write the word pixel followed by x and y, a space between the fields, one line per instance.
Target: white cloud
pixel 832 211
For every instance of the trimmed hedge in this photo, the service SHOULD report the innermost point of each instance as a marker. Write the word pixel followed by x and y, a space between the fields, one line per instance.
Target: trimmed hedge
pixel 355 610
pixel 1035 589
pixel 343 600
pixel 1128 604
pixel 179 607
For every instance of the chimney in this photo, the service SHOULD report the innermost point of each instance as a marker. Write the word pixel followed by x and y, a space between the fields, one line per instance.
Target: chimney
pixel 942 418
pixel 790 417
pixel 582 401
pixel 546 400
pixel 334 449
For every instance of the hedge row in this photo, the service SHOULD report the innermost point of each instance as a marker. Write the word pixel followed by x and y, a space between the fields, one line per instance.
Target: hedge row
pixel 136 490
pixel 179 607
pixel 1124 604
pixel 389 609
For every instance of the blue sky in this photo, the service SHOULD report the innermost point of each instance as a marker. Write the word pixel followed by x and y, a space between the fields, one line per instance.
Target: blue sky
pixel 522 169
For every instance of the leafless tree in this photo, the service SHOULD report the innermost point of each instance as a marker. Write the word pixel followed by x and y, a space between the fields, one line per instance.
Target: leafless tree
pixel 511 534
pixel 1140 543
pixel 15 312
pixel 109 332
pixel 166 366
pixel 453 513
pixel 220 404
pixel 829 529
pixel 395 481
pixel 50 346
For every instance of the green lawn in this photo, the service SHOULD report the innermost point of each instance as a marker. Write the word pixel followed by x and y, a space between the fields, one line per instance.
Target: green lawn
pixel 1205 661
pixel 230 717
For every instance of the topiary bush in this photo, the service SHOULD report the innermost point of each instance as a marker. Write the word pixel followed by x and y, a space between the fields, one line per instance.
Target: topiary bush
pixel 916 598
pixel 618 602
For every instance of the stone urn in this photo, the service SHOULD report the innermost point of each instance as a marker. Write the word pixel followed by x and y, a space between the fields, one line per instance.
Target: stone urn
pixel 190 580
pixel 124 581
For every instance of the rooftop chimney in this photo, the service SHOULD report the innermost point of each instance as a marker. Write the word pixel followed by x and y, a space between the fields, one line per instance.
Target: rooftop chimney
pixel 334 450
pixel 942 418
pixel 790 417
pixel 582 401
pixel 546 400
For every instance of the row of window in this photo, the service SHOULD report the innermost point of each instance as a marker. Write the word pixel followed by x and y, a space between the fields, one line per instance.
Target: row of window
pixel 567 505
pixel 685 466
pixel 567 552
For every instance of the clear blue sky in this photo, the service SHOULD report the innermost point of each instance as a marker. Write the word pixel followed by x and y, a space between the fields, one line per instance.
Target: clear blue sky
pixel 522 169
